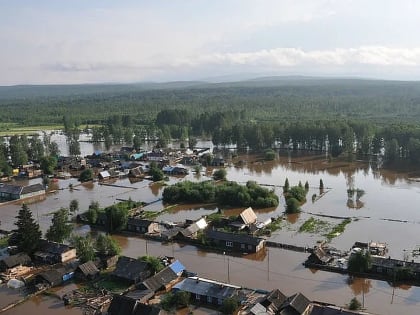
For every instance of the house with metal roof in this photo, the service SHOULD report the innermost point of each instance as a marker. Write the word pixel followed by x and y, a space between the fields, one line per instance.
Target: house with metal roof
pixel 15 192
pixel 206 290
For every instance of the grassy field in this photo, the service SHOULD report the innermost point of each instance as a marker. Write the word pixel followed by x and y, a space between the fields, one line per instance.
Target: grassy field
pixel 16 129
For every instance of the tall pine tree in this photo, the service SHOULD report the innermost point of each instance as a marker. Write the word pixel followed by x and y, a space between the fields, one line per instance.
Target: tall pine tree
pixel 60 229
pixel 28 232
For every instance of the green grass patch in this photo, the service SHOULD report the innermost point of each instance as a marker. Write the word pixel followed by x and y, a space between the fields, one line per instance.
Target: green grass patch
pixel 150 215
pixel 313 225
pixel 4 242
pixel 12 129
pixel 338 229
pixel 112 285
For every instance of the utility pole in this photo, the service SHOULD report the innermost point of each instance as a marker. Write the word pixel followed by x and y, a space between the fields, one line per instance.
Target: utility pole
pixel 228 271
pixel 268 264
pixel 146 248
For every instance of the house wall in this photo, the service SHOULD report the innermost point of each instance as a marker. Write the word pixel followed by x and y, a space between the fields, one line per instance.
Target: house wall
pixel 69 255
pixel 32 194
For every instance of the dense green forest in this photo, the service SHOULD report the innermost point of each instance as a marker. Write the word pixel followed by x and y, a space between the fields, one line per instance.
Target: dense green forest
pixel 263 100
pixel 342 116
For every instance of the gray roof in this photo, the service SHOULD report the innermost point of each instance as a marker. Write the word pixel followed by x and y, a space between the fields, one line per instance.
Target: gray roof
pixel 206 288
pixel 10 189
pixel 32 188
pixel 233 237
pixel 53 247
pixel 129 268
pixel 16 260
pixel 295 304
pixel 88 268
pixel 161 279
pixel 139 222
pixel 331 310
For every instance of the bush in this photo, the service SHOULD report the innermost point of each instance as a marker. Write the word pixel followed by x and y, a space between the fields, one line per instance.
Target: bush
pixel 292 205
pixel 229 306
pixel 86 175
pixel 354 304
pixel 269 155
pixel 219 174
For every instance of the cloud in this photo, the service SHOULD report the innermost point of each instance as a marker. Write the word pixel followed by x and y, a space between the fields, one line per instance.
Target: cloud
pixel 290 57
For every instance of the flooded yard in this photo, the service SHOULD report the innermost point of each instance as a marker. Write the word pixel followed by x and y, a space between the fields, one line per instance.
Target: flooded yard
pixel 387 212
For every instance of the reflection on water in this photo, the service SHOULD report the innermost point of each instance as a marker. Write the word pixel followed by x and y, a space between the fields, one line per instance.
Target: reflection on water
pixel 359 285
pixel 292 218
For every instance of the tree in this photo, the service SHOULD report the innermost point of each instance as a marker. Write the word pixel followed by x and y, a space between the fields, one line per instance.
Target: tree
pixel 286 186
pixel 107 246
pixel 116 218
pixel 86 175
pixel 48 164
pixel 354 304
pixel 292 205
pixel 321 185
pixel 182 298
pixel 306 186
pixel 298 193
pixel 28 233
pixel 74 205
pixel 60 229
pixel 93 211
pixel 84 247
pixel 269 155
pixel 359 262
pixel 154 263
pixel 229 306
pixel 156 173
pixel 219 174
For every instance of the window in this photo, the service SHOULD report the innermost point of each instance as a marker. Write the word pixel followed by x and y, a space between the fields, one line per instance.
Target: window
pixel 209 299
pixel 229 244
pixel 197 297
pixel 242 246
pixel 219 301
pixel 250 247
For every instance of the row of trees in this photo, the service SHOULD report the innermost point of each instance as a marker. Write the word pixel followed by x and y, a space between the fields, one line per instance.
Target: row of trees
pixel 19 150
pixel 28 235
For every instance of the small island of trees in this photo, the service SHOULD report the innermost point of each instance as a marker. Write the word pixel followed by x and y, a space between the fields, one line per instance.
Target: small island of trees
pixel 226 194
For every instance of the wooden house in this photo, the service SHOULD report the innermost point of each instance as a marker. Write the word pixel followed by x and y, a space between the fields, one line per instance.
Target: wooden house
pixel 165 278
pixel 52 252
pixel 87 271
pixel 131 270
pixel 12 263
pixel 142 226
pixel 235 241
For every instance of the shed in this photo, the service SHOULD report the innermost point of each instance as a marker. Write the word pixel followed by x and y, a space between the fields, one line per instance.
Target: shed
pixel 104 175
pixel 248 216
pixel 88 270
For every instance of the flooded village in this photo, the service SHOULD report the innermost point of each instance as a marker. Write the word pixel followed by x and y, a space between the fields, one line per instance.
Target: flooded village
pixel 264 259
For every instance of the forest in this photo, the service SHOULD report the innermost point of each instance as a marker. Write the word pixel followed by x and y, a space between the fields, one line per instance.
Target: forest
pixel 341 116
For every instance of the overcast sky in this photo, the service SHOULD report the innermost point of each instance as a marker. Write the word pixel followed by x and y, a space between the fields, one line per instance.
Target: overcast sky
pixel 87 41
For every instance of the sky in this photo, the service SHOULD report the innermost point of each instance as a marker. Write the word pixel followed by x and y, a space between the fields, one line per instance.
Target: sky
pixel 102 41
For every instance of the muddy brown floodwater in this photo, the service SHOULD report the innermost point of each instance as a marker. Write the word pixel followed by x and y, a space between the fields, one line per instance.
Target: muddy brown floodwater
pixel 387 212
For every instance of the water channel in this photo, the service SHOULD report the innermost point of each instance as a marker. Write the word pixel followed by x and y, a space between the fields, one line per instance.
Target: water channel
pixel 387 212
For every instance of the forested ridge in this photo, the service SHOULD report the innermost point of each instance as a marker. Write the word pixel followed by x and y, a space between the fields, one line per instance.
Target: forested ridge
pixel 264 100
pixel 338 116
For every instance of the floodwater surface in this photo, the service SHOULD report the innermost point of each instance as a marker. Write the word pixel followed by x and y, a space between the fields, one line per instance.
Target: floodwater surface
pixel 387 212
